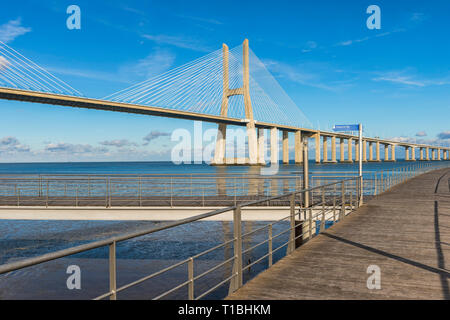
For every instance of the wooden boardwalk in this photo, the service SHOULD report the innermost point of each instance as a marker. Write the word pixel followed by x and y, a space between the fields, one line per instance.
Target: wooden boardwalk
pixel 405 232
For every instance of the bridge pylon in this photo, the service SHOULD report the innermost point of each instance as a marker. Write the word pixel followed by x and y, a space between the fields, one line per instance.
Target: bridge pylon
pixel 220 152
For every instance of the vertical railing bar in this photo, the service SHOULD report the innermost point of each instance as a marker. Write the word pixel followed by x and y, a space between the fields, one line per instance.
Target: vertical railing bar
pixel 112 271
pixel 191 279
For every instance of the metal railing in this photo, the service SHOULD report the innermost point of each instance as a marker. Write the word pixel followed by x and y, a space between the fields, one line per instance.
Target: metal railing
pixel 309 212
pixel 202 190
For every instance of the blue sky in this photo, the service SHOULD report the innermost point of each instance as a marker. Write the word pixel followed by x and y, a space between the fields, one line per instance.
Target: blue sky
pixel 395 80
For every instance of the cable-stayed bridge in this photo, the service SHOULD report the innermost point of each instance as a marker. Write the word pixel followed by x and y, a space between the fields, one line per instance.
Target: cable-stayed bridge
pixel 227 87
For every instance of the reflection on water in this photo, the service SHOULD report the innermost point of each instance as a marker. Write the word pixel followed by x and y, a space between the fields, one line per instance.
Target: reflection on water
pixel 136 257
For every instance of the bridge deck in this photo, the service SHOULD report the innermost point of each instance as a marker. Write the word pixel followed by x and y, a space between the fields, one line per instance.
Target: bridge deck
pixel 406 232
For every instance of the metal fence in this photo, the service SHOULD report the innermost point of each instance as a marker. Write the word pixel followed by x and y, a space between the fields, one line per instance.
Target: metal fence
pixel 310 211
pixel 200 190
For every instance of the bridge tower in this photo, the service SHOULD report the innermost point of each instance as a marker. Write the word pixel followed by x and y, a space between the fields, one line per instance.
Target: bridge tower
pixel 220 152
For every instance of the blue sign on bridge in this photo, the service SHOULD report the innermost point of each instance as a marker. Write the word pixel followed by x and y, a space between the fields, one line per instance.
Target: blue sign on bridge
pixel 346 127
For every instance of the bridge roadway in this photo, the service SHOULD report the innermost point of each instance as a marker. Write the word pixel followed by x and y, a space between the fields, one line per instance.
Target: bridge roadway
pixel 89 103
pixel 405 231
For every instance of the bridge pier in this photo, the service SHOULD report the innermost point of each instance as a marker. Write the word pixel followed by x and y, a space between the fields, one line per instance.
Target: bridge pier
pixel 357 146
pixel 261 147
pixel 406 153
pixel 285 147
pixel 298 147
pixel 427 153
pixel 325 148
pixel 364 150
pixel 413 154
pixel 274 145
pixel 386 152
pixel 317 140
pixel 371 151
pixel 393 152
pixel 349 151
pixel 377 146
pixel 333 149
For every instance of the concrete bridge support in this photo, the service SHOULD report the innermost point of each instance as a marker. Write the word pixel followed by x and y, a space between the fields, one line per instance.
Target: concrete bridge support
pixel 370 151
pixel 357 146
pixel 364 151
pixel 349 151
pixel 274 145
pixel 325 148
pixel 421 154
pixel 433 155
pixel 413 154
pixel 439 154
pixel 407 153
pixel 261 147
pixel 341 150
pixel 317 140
pixel 427 154
pixel 333 149
pixel 393 152
pixel 220 152
pixel 378 151
pixel 386 152
pixel 285 147
pixel 298 147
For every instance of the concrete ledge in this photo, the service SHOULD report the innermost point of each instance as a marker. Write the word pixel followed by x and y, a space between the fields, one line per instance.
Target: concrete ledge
pixel 144 214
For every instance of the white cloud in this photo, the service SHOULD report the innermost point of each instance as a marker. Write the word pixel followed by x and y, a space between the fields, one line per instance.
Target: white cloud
pixel 3 63
pixel 12 145
pixel 180 42
pixel 404 77
pixel 421 134
pixel 154 135
pixel 154 64
pixel 120 143
pixel 12 29
pixel 319 75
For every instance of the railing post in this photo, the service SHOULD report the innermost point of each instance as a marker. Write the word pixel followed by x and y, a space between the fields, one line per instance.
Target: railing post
pixel 270 246
pixel 237 281
pixel 191 279
pixel 112 271
pixel 343 200
pixel 109 193
pixel 106 192
pixel 171 192
pixel 291 245
pixel 46 198
pixel 322 222
pixel 351 195
pixel 375 185
pixel 334 203
pixel 140 192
